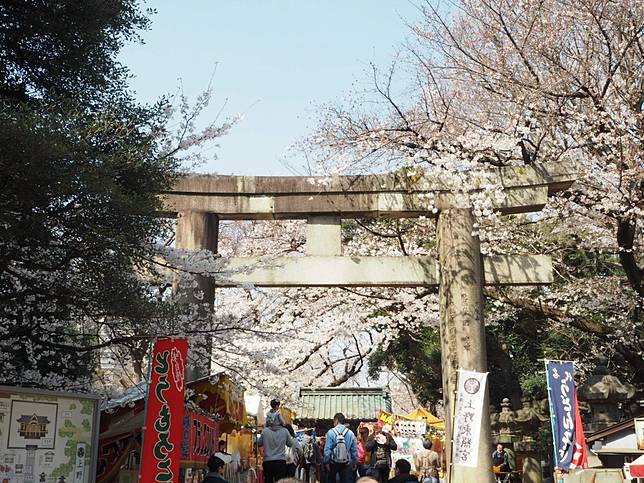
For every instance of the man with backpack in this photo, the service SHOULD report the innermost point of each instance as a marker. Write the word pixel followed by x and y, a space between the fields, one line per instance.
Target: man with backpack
pixel 340 451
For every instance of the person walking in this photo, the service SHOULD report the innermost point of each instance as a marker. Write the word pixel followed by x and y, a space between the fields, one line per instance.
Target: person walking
pixel 340 451
pixel 380 446
pixel 363 454
pixel 293 454
pixel 311 457
pixel 427 463
pixel 274 439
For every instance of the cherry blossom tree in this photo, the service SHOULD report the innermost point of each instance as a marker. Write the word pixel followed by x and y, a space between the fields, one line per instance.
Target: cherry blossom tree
pixel 487 84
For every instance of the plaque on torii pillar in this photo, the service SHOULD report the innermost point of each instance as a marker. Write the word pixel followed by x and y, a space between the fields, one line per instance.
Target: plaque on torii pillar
pixel 200 201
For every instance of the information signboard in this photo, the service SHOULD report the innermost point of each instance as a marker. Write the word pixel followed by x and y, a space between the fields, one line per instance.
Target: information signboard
pixel 47 436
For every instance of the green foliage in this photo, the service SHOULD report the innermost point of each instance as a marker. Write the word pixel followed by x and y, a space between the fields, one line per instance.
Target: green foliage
pixel 82 170
pixel 66 468
pixel 417 357
pixel 583 263
pixel 64 48
pixel 534 385
pixel 516 347
pixel 67 430
pixel 87 407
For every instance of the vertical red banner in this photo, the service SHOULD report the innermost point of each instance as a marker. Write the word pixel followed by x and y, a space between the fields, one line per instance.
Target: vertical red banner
pixel 164 412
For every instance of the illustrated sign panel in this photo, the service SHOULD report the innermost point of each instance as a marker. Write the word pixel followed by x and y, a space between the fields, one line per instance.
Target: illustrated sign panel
pixel 47 437
pixel 32 424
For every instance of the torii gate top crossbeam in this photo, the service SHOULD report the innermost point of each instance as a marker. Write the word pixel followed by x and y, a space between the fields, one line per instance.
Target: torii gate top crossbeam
pixel 393 195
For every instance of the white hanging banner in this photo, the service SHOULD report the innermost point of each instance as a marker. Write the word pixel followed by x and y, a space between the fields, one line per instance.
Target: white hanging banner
pixel 467 420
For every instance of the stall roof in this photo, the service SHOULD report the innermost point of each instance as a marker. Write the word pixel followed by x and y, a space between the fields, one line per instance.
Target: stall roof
pixel 609 431
pixel 138 392
pixel 357 403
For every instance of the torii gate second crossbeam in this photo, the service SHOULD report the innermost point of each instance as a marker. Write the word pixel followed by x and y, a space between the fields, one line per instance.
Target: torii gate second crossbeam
pixel 460 272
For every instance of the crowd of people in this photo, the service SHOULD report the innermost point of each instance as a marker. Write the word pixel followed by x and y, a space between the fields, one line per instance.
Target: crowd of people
pixel 340 456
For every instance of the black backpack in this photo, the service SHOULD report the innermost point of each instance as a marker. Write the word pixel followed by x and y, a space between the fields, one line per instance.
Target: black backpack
pixel 308 451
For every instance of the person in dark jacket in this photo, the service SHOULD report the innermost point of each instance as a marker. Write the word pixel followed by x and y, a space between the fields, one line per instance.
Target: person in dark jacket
pixel 500 462
pixel 216 466
pixel 403 470
pixel 380 446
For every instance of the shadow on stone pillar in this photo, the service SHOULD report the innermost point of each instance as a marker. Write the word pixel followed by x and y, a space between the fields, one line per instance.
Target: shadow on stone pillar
pixel 199 231
pixel 462 329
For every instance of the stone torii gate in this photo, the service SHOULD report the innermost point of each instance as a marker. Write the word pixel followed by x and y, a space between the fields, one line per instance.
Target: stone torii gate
pixel 199 202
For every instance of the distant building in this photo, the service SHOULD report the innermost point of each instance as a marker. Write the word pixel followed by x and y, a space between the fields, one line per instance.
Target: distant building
pixel 317 406
pixel 616 444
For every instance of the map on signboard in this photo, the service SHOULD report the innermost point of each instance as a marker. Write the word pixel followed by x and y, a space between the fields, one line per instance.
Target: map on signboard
pixel 45 438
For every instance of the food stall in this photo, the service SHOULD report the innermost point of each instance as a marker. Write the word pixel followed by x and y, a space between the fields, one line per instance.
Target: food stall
pixel 215 420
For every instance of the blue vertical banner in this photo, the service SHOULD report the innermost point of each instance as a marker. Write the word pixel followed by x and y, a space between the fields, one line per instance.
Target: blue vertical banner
pixel 560 376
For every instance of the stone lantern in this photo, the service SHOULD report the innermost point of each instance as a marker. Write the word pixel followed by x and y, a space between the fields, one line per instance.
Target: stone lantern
pixel 506 423
pixel 528 419
pixel 605 394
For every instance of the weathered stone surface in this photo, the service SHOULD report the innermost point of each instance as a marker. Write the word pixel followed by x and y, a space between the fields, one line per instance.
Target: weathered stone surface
pixel 324 236
pixel 331 271
pixel 344 205
pixel 198 231
pixel 557 177
pixel 394 195
pixel 531 469
pixel 604 392
pixel 462 328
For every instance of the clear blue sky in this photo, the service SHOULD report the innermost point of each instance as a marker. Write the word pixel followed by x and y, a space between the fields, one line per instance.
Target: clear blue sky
pixel 276 60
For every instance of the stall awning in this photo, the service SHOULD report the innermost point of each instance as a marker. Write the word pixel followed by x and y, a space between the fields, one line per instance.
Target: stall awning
pixel 356 403
pixel 421 414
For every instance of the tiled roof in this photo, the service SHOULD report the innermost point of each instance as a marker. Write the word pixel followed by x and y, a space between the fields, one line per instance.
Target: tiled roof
pixel 39 419
pixel 355 403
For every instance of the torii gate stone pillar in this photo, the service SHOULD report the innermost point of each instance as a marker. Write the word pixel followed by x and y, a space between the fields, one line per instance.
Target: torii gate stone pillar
pixel 462 327
pixel 200 201
pixel 199 231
